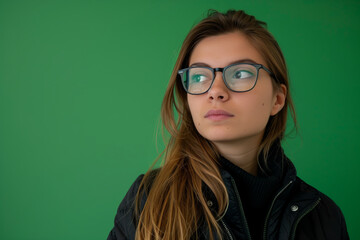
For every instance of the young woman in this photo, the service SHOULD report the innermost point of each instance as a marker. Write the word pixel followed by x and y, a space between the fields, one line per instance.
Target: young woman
pixel 225 175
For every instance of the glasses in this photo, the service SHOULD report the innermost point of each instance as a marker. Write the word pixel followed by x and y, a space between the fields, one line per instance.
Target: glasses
pixel 238 77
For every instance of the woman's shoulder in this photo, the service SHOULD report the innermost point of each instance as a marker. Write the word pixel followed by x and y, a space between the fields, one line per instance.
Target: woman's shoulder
pixel 125 220
pixel 324 217
pixel 129 199
pixel 323 199
pixel 124 224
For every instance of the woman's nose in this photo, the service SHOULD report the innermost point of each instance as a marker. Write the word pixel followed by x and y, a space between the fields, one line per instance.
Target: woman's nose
pixel 218 90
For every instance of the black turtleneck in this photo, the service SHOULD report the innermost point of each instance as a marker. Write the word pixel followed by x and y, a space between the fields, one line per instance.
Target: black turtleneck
pixel 257 192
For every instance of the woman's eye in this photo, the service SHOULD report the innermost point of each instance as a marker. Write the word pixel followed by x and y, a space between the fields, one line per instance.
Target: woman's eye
pixel 197 78
pixel 241 74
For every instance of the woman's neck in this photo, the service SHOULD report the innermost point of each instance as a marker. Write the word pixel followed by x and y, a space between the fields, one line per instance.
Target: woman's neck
pixel 243 155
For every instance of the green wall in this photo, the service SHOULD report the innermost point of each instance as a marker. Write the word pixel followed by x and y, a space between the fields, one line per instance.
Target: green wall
pixel 81 84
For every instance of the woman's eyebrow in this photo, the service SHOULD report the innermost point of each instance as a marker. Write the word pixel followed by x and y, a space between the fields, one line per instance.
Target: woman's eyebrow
pixel 247 60
pixel 201 64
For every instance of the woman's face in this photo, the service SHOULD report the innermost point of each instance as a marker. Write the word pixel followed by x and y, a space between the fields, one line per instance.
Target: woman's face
pixel 247 113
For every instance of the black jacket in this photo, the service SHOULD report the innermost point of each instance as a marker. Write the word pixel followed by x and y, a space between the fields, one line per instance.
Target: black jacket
pixel 298 211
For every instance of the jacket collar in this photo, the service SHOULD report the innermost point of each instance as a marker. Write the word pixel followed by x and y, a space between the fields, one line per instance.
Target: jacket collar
pixel 234 214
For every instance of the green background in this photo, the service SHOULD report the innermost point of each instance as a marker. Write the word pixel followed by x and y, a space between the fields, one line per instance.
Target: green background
pixel 81 84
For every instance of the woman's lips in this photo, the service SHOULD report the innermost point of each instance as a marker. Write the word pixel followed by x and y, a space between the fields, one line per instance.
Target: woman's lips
pixel 218 115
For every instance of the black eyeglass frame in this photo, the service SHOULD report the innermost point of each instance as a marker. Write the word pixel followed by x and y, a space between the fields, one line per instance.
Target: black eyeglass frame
pixel 214 70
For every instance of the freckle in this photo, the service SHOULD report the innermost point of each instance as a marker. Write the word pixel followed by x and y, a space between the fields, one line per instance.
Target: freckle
pixel 263 104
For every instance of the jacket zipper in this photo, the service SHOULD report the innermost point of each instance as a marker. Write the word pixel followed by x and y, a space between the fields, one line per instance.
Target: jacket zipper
pixel 303 215
pixel 227 229
pixel 271 206
pixel 241 208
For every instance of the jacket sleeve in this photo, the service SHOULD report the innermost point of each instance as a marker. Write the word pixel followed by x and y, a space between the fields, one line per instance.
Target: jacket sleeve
pixel 344 232
pixel 124 223
pixel 334 225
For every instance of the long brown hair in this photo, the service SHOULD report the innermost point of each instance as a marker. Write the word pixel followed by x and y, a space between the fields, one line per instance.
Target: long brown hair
pixel 176 205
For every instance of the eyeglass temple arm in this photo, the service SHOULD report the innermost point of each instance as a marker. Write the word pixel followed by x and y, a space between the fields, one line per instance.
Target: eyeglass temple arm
pixel 270 73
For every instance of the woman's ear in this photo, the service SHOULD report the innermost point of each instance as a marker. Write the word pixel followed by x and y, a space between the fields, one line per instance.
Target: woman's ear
pixel 279 99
